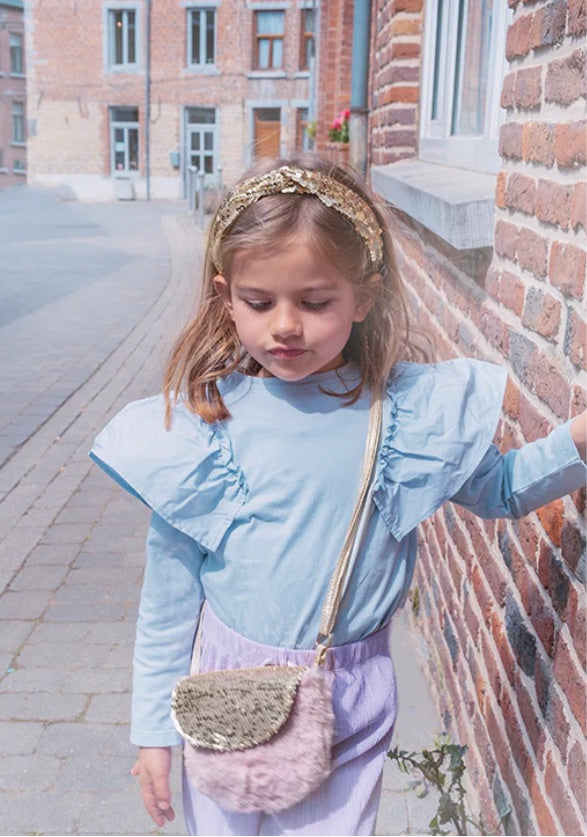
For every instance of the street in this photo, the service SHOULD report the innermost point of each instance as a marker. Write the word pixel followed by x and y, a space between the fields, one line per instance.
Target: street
pixel 90 298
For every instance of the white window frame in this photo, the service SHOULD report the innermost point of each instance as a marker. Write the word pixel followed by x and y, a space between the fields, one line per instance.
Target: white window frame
pixel 437 144
pixel 125 126
pixel 203 128
pixel 17 120
pixel 202 11
pixel 16 54
pixel 110 40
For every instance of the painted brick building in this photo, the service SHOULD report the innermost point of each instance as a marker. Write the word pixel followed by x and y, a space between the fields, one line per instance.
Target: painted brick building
pixel 124 95
pixel 490 232
pixel 12 94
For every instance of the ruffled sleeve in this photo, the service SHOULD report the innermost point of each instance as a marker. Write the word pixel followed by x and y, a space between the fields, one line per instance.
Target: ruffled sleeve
pixel 440 421
pixel 185 474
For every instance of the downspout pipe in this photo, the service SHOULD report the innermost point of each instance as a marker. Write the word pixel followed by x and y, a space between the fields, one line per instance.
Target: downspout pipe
pixel 148 98
pixel 358 122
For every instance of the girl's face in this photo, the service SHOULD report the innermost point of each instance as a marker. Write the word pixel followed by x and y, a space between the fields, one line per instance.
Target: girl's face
pixel 292 313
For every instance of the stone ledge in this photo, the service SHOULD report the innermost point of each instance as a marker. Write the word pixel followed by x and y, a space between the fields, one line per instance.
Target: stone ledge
pixel 456 204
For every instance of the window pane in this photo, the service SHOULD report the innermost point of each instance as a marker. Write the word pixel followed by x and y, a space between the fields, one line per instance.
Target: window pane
pixel 472 69
pixel 125 114
pixel 15 53
pixel 264 54
pixel 270 23
pixel 118 56
pixel 210 57
pixel 206 116
pixel 277 53
pixel 195 57
pixel 133 149
pixel 131 36
pixel 208 141
pixel 208 165
pixel 436 81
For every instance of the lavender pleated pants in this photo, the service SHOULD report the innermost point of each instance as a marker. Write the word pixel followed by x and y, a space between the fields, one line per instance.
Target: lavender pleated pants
pixel 364 700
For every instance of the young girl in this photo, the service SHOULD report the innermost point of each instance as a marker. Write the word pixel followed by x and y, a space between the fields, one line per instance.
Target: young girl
pixel 251 462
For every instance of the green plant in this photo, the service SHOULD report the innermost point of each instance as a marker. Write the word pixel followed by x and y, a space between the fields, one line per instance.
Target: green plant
pixel 442 767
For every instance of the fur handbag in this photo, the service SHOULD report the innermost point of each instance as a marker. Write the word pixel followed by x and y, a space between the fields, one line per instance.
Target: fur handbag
pixel 260 739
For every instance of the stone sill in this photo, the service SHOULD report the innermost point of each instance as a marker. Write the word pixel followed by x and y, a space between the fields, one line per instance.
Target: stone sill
pixel 455 204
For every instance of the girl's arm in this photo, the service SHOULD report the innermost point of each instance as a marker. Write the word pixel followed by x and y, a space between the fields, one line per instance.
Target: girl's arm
pixel 522 480
pixel 170 605
pixel 579 434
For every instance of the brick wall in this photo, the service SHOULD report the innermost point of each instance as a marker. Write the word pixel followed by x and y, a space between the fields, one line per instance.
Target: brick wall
pixel 334 63
pixel 395 80
pixel 501 603
pixel 12 89
pixel 71 90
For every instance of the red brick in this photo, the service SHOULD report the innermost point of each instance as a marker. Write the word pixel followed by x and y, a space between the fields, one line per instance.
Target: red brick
pixel 566 269
pixel 577 22
pixel 579 206
pixel 407 6
pixel 558 722
pixel 561 800
pixel 500 190
pixel 528 536
pixel 576 339
pixel 511 400
pixel 542 313
pixel 575 618
pixel 572 544
pixel 552 517
pixel 533 721
pixel 512 292
pixel 548 24
pixel 552 386
pixel 578 399
pixel 521 190
pixel 553 204
pixel 533 423
pixel 570 676
pixel 565 79
pixel 537 142
pixel 405 26
pixel 518 39
pixel 507 91
pixel 510 140
pixel 401 50
pixel 569 144
pixel 542 811
pixel 528 88
pixel 577 771
pixel 531 252
pixel 506 239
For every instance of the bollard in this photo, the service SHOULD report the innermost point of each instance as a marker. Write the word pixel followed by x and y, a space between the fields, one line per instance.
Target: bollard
pixel 192 173
pixel 201 176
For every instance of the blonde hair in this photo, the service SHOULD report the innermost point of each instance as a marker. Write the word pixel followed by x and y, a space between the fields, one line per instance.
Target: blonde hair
pixel 208 347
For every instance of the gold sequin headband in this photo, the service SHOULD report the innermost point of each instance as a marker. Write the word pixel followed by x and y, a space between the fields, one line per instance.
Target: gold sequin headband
pixel 289 180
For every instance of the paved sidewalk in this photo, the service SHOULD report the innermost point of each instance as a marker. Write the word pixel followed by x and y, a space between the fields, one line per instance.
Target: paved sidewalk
pixel 71 559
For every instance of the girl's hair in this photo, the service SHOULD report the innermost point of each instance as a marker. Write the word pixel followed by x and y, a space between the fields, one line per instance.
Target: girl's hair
pixel 208 347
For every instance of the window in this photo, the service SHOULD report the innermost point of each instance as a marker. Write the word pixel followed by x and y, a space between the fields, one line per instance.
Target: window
pixel 201 139
pixel 464 45
pixel 268 40
pixel 201 37
pixel 122 38
pixel 267 132
pixel 124 139
pixel 307 38
pixel 18 123
pixel 18 167
pixel 16 62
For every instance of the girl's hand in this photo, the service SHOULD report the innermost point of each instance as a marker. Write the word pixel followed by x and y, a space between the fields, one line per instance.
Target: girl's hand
pixel 579 433
pixel 152 768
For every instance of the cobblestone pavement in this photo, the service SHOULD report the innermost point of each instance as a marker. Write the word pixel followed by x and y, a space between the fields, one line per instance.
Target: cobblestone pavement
pixel 71 543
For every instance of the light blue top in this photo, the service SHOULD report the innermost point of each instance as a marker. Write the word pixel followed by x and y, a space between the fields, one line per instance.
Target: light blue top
pixel 250 513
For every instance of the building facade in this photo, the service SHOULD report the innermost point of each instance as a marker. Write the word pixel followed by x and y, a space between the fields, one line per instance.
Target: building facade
pixel 13 157
pixel 125 95
pixel 478 138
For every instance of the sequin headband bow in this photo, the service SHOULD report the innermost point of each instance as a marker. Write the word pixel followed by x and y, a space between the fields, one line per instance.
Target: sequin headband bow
pixel 290 180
